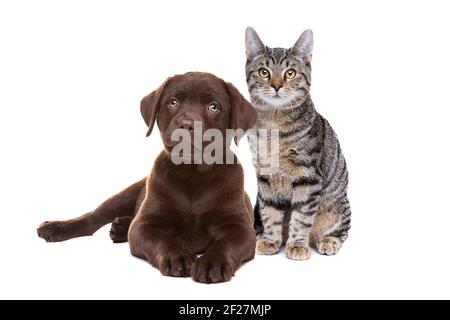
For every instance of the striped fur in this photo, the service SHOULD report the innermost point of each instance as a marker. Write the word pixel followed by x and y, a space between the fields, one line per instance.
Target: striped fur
pixel 304 203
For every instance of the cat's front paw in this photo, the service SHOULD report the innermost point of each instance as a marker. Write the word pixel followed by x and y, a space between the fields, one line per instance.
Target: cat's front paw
pixel 298 251
pixel 267 247
pixel 328 246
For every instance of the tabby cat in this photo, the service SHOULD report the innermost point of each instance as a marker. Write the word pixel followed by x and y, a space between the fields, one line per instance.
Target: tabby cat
pixel 304 202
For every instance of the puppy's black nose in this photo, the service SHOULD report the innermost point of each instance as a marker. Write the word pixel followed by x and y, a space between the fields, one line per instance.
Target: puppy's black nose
pixel 277 88
pixel 187 125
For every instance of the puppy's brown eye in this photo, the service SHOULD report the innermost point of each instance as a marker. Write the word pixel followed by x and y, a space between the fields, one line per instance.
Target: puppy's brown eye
pixel 264 73
pixel 290 74
pixel 213 107
pixel 172 103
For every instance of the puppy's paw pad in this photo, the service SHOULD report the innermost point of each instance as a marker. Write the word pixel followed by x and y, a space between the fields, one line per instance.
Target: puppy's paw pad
pixel 209 269
pixel 119 229
pixel 297 251
pixel 328 246
pixel 53 231
pixel 266 247
pixel 177 265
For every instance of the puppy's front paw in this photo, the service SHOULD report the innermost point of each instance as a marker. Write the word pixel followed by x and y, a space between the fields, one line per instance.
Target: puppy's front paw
pixel 54 231
pixel 212 269
pixel 176 265
pixel 266 247
pixel 328 246
pixel 298 251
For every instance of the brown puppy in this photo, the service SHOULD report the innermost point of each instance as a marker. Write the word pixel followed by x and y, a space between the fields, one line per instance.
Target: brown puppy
pixel 180 211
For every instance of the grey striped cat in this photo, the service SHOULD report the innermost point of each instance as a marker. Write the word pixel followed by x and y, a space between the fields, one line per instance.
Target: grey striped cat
pixel 304 203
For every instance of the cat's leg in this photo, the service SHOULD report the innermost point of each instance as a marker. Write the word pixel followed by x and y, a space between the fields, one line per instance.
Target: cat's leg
pixel 331 227
pixel 257 223
pixel 269 241
pixel 305 203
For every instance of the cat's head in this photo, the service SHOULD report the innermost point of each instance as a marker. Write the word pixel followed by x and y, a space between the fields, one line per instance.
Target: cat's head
pixel 278 77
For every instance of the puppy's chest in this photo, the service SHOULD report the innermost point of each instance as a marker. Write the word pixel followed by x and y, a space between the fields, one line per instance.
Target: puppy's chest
pixel 192 200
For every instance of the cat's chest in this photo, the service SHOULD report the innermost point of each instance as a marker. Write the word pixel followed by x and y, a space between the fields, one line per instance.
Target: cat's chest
pixel 278 169
pixel 279 158
pixel 271 121
pixel 275 155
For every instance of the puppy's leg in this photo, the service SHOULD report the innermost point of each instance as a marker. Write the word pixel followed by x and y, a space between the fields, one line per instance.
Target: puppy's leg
pixel 159 246
pixel 235 245
pixel 122 204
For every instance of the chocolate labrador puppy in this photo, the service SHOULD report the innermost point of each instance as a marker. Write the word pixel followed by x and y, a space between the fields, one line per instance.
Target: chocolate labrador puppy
pixel 180 211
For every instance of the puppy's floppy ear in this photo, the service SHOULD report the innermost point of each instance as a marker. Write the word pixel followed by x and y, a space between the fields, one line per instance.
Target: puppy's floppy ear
pixel 243 115
pixel 150 106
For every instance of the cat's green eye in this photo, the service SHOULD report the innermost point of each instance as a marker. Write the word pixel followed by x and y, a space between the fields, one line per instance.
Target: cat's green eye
pixel 264 73
pixel 290 74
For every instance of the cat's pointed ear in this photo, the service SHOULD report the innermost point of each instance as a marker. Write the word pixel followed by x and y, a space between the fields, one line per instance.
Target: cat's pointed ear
pixel 304 46
pixel 253 44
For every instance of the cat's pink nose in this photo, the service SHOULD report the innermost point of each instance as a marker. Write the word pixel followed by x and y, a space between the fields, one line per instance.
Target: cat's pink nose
pixel 277 88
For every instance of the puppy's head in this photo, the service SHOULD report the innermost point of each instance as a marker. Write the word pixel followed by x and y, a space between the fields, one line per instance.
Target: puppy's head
pixel 196 98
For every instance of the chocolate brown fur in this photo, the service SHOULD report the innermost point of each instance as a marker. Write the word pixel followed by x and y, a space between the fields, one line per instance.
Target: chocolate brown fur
pixel 181 211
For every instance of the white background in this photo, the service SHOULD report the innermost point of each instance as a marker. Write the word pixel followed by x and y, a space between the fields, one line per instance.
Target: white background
pixel 72 74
